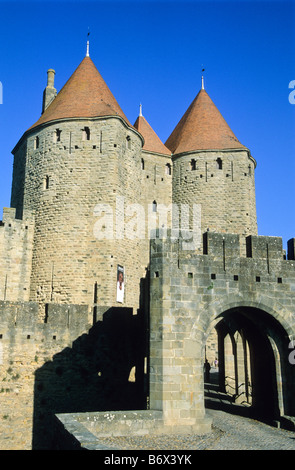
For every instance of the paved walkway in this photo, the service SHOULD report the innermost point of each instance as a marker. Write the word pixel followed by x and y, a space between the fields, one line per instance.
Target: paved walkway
pixel 235 432
pixel 231 431
pixel 233 428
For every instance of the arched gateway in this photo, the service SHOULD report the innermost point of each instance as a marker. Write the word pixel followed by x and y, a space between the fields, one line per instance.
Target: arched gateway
pixel 248 300
pixel 253 361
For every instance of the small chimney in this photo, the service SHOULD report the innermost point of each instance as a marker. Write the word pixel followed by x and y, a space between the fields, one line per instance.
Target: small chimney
pixel 50 92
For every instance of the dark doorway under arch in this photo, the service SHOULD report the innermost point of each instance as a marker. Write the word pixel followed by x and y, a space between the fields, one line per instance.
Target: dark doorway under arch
pixel 254 376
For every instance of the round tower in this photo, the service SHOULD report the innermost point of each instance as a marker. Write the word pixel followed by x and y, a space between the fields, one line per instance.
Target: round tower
pixel 212 169
pixel 75 168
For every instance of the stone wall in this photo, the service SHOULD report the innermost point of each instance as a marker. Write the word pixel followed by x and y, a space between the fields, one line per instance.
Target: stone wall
pixel 222 183
pixel 64 364
pixel 87 193
pixel 65 181
pixel 16 245
pixel 156 197
pixel 190 294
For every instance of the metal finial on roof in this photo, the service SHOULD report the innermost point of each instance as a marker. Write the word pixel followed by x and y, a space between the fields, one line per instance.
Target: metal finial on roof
pixel 87 49
pixel 140 110
pixel 203 87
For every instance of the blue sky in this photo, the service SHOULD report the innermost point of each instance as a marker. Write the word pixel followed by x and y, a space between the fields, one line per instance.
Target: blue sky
pixel 152 53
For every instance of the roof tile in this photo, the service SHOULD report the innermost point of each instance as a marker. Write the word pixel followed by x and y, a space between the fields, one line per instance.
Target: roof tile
pixel 85 94
pixel 152 142
pixel 202 127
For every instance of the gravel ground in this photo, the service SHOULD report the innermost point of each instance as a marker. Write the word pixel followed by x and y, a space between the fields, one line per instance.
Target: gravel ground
pixel 230 432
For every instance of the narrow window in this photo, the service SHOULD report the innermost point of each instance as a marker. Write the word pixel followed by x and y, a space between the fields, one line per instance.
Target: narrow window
pixel 154 206
pixel 100 142
pixel 219 163
pixel 249 170
pixel 86 133
pixel 46 182
pixel 142 164
pixel 193 164
pixel 57 135
pixel 70 143
pixel 168 169
pixel 128 142
pixel 36 142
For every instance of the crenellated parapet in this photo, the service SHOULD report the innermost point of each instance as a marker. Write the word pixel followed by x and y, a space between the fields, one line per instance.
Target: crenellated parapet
pixel 182 278
pixel 265 253
pixel 60 324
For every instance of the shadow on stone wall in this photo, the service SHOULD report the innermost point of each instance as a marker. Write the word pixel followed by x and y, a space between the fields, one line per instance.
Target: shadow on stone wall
pixel 94 374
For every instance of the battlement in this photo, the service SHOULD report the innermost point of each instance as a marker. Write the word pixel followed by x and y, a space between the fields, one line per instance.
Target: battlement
pixel 219 244
pixel 16 245
pixel 60 322
pixel 9 213
pixel 221 253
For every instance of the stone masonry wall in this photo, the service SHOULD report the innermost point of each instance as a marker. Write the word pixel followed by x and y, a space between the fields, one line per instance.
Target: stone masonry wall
pixel 86 195
pixel 26 344
pixel 156 188
pixel 66 363
pixel 190 292
pixel 16 244
pixel 65 180
pixel 222 182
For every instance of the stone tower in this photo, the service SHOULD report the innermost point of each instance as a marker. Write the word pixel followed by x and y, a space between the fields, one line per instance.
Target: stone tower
pixel 69 169
pixel 92 181
pixel 211 168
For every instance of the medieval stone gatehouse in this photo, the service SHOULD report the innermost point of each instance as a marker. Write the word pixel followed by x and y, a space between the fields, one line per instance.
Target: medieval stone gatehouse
pixel 127 262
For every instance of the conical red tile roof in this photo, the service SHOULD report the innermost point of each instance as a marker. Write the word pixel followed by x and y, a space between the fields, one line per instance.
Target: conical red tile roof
pixel 202 127
pixel 84 95
pixel 152 143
